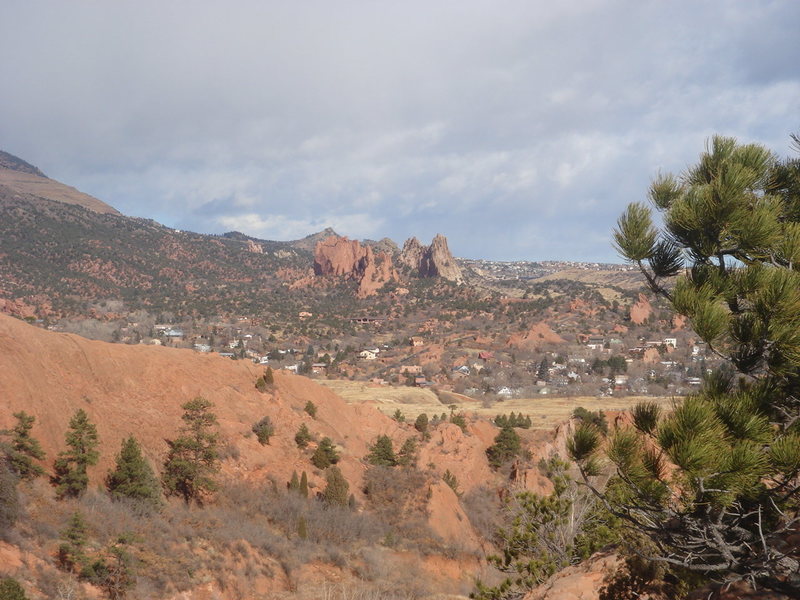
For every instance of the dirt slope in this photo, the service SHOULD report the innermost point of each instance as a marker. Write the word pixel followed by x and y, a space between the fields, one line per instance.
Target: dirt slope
pixel 30 184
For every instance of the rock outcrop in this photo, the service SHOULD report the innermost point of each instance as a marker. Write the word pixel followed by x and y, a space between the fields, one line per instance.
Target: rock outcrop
pixel 338 256
pixel 431 261
pixel 641 310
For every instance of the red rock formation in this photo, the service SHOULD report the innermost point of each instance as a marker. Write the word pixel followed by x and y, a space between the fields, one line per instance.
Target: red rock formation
pixel 431 261
pixel 641 310
pixel 536 335
pixel 338 256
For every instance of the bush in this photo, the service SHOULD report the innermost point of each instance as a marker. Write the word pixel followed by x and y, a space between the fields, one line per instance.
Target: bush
pixel 264 430
pixel 10 589
pixel 302 437
pixel 596 418
pixel 506 446
pixel 337 490
pixel 325 455
pixel 421 424
pixel 9 500
pixel 311 409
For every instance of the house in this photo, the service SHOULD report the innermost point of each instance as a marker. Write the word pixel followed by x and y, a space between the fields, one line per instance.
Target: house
pixel 595 342
pixel 304 314
pixel 505 391
pixel 367 355
pixel 463 370
pixel 671 341
pixel 420 381
pixel 416 341
pixel 620 382
pixel 319 368
pixel 202 347
pixel 485 355
pixel 410 369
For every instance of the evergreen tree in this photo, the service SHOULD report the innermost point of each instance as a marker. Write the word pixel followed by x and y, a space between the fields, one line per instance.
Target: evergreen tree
pixel 294 482
pixel 303 489
pixel 421 424
pixel 506 446
pixel 543 373
pixel 9 499
pixel 10 589
pixel 269 376
pixel 193 458
pixel 302 528
pixel 713 483
pixel 71 552
pixel 336 489
pixel 302 437
pixel 133 478
pixel 71 478
pixel 325 455
pixel 311 409
pixel 382 452
pixel 399 416
pixel 408 453
pixel 24 449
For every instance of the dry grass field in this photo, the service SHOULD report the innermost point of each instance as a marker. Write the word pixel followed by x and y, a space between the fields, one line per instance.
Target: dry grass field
pixel 545 411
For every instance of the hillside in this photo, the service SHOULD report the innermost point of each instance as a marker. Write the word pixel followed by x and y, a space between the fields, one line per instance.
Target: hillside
pixel 19 179
pixel 139 391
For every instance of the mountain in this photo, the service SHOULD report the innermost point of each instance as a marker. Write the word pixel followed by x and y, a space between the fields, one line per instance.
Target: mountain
pixel 19 179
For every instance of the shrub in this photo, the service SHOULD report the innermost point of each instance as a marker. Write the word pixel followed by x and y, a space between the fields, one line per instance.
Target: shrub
pixel 9 500
pixel 337 489
pixel 325 455
pixel 10 589
pixel 302 437
pixel 399 416
pixel 311 409
pixel 421 424
pixel 264 430
pixel 596 418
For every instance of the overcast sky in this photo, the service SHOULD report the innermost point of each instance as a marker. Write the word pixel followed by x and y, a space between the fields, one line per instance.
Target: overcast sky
pixel 520 130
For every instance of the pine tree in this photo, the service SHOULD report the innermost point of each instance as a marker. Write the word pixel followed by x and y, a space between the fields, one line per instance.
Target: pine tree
pixel 302 528
pixel 325 455
pixel 408 453
pixel 24 448
pixel 133 478
pixel 336 489
pixel 713 484
pixel 421 424
pixel 506 446
pixel 71 552
pixel 311 409
pixel 543 374
pixel 71 478
pixel 302 437
pixel 9 499
pixel 382 452
pixel 269 376
pixel 193 458
pixel 294 483
pixel 303 489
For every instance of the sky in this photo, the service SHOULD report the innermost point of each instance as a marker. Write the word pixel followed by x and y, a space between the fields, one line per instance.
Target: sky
pixel 518 129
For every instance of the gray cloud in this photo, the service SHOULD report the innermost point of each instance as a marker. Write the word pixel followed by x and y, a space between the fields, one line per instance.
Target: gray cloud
pixel 518 129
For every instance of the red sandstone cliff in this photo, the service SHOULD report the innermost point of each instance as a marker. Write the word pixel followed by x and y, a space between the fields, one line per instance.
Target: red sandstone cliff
pixel 339 256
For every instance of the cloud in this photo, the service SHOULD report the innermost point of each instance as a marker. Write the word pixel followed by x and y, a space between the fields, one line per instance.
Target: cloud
pixel 520 131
